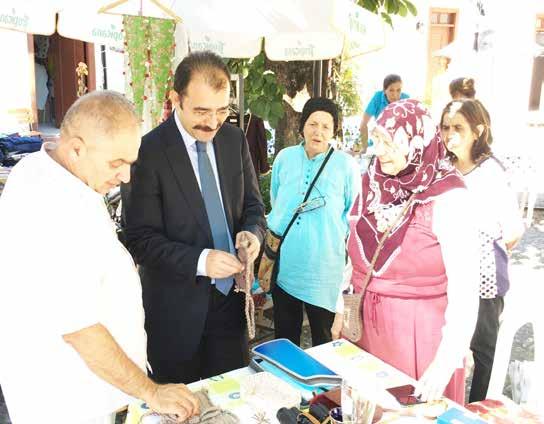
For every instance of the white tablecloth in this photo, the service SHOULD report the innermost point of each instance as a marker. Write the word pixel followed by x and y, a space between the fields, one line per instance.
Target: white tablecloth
pixel 341 356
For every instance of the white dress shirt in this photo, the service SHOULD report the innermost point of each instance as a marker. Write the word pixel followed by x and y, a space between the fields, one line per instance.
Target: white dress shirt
pixel 190 144
pixel 63 270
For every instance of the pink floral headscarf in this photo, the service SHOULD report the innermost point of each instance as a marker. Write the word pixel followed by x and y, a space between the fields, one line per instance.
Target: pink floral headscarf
pixel 429 173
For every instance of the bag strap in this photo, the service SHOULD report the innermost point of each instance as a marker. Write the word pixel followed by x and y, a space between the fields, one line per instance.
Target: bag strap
pixel 297 213
pixel 382 241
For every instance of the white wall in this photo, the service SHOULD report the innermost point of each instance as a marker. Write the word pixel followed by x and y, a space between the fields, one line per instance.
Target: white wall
pixel 115 65
pixel 14 77
pixel 405 51
pixel 511 68
pixel 502 74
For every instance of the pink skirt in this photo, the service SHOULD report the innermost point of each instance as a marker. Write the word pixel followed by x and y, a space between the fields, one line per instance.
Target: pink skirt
pixel 406 333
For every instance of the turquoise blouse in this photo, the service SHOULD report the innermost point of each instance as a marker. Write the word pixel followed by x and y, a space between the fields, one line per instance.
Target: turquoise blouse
pixel 379 102
pixel 313 254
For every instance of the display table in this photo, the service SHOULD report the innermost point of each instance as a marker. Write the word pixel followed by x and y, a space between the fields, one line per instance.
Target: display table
pixel 4 173
pixel 340 356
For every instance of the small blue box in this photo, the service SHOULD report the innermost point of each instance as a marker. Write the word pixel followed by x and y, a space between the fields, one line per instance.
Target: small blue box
pixel 459 416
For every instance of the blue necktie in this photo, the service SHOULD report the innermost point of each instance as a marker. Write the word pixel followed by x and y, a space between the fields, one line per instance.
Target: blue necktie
pixel 214 209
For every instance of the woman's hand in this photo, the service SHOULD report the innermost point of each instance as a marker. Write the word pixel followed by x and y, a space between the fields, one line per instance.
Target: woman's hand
pixel 338 323
pixel 434 380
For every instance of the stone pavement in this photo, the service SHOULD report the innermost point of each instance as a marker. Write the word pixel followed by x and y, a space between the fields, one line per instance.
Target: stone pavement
pixel 529 254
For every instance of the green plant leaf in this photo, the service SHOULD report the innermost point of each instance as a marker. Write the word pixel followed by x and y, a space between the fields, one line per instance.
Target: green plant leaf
pixel 277 109
pixel 371 5
pixel 389 8
pixel 387 19
pixel 266 110
pixel 411 7
pixel 403 10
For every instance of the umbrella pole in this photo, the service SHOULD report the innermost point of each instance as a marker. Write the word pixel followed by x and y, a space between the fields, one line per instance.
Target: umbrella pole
pixel 317 78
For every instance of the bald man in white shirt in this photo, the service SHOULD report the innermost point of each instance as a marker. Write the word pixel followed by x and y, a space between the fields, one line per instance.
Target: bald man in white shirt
pixel 71 314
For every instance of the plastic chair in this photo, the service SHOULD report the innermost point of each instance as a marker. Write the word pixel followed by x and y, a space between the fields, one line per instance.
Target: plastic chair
pixel 523 304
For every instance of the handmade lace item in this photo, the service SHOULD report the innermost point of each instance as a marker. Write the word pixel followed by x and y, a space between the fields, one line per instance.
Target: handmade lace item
pixel 266 394
pixel 209 413
pixel 244 282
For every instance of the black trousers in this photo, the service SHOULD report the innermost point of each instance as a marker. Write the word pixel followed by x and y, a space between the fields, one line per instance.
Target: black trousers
pixel 223 346
pixel 288 318
pixel 483 345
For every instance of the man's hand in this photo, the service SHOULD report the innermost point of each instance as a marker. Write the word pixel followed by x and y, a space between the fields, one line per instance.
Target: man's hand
pixel 254 246
pixel 108 361
pixel 221 264
pixel 174 399
pixel 337 325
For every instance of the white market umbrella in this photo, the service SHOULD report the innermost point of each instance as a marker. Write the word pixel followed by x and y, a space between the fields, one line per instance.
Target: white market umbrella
pixel 77 19
pixel 291 29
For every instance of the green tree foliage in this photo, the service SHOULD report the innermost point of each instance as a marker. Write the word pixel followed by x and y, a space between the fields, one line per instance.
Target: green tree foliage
pixel 387 8
pixel 262 92
pixel 266 82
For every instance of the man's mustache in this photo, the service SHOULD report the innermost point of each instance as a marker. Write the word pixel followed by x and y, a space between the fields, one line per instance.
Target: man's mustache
pixel 206 128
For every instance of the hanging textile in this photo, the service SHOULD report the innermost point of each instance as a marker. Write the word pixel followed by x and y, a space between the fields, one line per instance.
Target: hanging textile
pixel 149 45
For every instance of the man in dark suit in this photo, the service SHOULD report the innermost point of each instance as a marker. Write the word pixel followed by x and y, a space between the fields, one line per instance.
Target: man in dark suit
pixel 193 194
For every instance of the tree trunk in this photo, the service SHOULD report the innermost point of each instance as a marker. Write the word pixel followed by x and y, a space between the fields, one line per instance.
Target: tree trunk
pixel 293 76
pixel 287 131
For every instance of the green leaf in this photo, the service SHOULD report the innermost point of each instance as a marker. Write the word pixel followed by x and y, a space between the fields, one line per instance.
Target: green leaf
pixel 271 78
pixel 277 108
pixel 259 110
pixel 387 19
pixel 403 10
pixel 370 5
pixel 268 90
pixel 266 110
pixel 245 72
pixel 273 121
pixel 268 134
pixel 259 60
pixel 389 6
pixel 257 85
pixel 411 7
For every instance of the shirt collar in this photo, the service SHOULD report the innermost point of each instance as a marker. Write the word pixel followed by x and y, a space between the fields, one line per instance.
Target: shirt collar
pixel 69 180
pixel 188 139
pixel 316 157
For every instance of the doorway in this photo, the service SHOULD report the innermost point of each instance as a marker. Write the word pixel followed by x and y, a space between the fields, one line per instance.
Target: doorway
pixel 441 33
pixel 55 61
pixel 536 96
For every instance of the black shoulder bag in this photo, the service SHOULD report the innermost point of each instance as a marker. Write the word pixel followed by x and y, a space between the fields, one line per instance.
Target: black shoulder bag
pixel 269 263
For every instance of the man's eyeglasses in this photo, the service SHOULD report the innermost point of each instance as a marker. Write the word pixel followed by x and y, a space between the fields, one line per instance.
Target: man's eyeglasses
pixel 220 114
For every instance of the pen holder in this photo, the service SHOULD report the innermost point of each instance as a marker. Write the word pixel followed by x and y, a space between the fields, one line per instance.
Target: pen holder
pixel 356 407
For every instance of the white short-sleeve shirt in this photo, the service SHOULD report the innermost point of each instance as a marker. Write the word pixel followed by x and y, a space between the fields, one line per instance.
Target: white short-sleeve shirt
pixel 62 270
pixel 498 219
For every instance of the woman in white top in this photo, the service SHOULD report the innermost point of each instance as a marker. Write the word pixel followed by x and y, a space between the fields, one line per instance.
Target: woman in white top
pixel 466 131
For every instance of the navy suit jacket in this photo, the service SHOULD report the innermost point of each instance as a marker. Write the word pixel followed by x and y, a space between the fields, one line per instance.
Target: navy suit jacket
pixel 166 228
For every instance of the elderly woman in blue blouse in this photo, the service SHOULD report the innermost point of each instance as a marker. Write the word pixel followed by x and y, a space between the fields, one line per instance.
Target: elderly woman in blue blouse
pixel 313 254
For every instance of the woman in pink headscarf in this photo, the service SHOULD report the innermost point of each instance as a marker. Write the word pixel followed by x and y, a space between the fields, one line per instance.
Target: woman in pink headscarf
pixel 420 306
